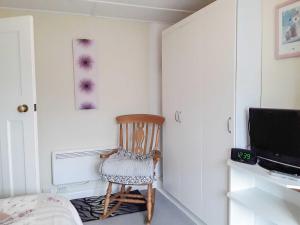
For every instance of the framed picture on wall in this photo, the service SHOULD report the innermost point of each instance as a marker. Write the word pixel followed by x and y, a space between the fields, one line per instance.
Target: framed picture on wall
pixel 85 73
pixel 288 29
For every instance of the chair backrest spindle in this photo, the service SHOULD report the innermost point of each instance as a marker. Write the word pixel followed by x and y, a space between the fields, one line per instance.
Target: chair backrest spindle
pixel 127 135
pixel 157 138
pixel 121 136
pixel 133 137
pixel 137 129
pixel 146 139
pixel 152 136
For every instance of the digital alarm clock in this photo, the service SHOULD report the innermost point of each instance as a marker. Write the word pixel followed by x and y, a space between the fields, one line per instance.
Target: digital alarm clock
pixel 243 156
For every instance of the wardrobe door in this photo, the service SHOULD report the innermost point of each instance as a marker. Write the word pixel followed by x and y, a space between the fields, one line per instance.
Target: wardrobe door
pixel 182 92
pixel 218 68
pixel 171 105
pixel 191 116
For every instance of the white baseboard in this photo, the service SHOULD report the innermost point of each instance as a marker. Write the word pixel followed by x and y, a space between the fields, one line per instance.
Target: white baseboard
pixel 78 194
pixel 79 190
pixel 186 211
pixel 92 188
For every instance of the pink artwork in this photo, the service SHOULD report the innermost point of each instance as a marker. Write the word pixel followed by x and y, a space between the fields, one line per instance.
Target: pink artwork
pixel 85 74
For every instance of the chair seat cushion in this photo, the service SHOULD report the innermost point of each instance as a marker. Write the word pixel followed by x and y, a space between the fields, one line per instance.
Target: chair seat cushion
pixel 125 167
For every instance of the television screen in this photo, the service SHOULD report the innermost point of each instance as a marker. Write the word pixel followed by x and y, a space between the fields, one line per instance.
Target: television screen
pixel 275 134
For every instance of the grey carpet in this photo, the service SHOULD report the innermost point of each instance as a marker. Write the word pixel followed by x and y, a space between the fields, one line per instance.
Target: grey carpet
pixel 165 213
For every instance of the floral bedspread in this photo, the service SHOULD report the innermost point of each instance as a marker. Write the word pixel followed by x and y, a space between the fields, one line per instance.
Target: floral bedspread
pixel 43 209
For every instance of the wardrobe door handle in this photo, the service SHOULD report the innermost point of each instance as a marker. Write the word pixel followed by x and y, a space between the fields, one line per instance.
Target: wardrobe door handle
pixel 228 125
pixel 179 118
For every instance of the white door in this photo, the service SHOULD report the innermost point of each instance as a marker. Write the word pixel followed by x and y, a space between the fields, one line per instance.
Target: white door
pixel 18 128
pixel 218 68
pixel 182 91
pixel 172 98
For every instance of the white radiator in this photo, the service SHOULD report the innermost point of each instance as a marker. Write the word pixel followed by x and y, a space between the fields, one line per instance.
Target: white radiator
pixel 76 166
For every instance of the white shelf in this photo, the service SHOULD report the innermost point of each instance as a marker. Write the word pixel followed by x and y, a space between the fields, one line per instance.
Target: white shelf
pixel 284 181
pixel 274 209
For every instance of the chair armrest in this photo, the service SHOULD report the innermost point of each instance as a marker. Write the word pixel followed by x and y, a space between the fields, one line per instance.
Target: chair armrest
pixel 156 156
pixel 106 154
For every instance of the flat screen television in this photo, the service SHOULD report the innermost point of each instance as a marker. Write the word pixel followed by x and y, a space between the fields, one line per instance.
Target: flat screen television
pixel 275 138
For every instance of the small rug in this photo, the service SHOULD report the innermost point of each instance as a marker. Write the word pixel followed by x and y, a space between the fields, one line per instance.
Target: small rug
pixel 92 207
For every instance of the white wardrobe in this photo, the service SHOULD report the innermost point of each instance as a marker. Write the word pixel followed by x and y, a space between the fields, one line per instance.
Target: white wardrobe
pixel 199 103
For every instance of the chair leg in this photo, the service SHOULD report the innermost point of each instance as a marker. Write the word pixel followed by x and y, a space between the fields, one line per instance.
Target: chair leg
pixel 153 201
pixel 107 200
pixel 117 206
pixel 123 188
pixel 149 204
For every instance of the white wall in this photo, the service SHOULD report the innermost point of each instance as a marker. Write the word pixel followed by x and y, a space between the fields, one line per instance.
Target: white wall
pixel 126 67
pixel 280 78
pixel 155 66
pixel 155 73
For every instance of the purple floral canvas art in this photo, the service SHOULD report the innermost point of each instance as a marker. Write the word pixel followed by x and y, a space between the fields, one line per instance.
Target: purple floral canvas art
pixel 85 74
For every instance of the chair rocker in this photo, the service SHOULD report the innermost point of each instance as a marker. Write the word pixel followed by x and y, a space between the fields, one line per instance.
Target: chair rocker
pixel 133 163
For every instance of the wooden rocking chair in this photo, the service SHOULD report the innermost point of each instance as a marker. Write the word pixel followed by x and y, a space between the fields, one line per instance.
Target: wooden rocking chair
pixel 139 134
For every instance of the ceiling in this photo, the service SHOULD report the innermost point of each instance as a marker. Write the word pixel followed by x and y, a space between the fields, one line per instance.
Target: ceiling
pixel 168 11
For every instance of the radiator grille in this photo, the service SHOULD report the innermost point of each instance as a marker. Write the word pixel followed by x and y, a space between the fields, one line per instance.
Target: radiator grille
pixel 77 154
pixel 76 166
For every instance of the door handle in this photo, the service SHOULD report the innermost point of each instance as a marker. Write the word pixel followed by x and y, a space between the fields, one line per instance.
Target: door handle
pixel 22 108
pixel 179 118
pixel 229 125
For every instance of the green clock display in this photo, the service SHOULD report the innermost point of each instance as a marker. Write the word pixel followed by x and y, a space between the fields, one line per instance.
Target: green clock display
pixel 244 156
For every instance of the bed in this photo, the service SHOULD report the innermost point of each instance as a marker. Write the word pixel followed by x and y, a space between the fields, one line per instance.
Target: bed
pixel 42 209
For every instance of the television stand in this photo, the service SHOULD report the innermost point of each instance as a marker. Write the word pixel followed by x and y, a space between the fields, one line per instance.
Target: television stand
pixel 256 197
pixel 279 168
